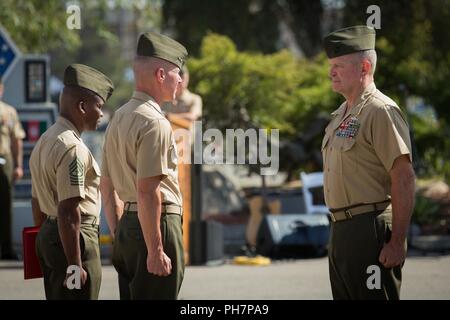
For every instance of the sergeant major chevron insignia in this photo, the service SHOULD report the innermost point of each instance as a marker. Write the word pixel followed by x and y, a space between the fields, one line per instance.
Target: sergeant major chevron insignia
pixel 76 172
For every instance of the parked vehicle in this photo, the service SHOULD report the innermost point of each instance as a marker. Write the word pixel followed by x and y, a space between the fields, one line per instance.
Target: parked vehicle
pixel 302 225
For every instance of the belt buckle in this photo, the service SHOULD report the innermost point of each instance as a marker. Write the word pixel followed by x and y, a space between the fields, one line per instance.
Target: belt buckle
pixel 348 214
pixel 333 218
pixel 127 206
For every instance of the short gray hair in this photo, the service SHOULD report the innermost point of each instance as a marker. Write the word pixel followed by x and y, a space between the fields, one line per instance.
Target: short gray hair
pixel 140 62
pixel 371 56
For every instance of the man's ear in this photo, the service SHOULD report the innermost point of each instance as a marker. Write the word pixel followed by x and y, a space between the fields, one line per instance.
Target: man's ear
pixel 160 74
pixel 81 106
pixel 365 67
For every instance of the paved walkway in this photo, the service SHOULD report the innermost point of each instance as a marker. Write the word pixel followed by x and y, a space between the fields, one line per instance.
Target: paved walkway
pixel 426 277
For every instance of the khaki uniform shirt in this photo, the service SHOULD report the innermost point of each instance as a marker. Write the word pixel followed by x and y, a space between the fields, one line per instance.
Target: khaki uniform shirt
pixel 139 143
pixel 187 102
pixel 10 127
pixel 62 167
pixel 360 148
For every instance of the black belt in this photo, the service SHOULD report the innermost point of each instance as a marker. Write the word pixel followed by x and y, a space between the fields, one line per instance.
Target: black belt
pixel 346 213
pixel 166 208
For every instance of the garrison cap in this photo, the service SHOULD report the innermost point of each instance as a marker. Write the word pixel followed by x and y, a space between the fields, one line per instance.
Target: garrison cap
pixel 156 45
pixel 89 78
pixel 349 40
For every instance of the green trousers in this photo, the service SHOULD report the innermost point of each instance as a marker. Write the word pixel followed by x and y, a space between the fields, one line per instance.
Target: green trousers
pixel 130 259
pixel 6 194
pixel 53 262
pixel 355 246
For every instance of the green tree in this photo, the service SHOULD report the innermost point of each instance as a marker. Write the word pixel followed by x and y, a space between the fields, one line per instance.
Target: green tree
pixel 40 27
pixel 37 26
pixel 273 91
pixel 257 25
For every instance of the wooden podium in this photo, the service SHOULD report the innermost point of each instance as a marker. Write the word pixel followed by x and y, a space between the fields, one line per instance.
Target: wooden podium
pixel 184 178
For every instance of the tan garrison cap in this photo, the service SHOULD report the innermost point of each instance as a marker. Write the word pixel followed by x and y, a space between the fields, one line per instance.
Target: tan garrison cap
pixel 89 78
pixel 349 40
pixel 156 45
